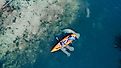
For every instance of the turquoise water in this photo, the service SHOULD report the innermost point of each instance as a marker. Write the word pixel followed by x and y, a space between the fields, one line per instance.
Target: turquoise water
pixel 95 48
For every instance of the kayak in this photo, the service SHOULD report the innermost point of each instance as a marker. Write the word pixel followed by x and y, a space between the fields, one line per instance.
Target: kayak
pixel 58 46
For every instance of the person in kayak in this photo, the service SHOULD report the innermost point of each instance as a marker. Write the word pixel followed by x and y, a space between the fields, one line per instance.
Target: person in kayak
pixel 70 38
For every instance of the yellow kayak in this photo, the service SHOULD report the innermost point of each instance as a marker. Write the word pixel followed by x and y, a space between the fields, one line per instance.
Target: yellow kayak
pixel 59 45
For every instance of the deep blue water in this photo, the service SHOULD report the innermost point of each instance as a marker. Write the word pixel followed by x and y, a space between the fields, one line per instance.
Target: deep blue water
pixel 95 48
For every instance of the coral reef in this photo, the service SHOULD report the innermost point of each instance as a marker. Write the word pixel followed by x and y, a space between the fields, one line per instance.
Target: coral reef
pixel 25 24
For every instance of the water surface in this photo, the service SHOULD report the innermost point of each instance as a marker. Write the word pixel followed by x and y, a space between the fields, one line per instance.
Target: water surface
pixel 95 48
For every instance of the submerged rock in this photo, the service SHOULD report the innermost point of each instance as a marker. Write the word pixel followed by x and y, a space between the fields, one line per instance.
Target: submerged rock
pixel 25 24
pixel 118 42
pixel 118 45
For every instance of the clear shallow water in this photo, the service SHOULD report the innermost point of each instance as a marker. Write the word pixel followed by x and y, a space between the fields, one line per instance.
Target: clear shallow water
pixel 95 48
